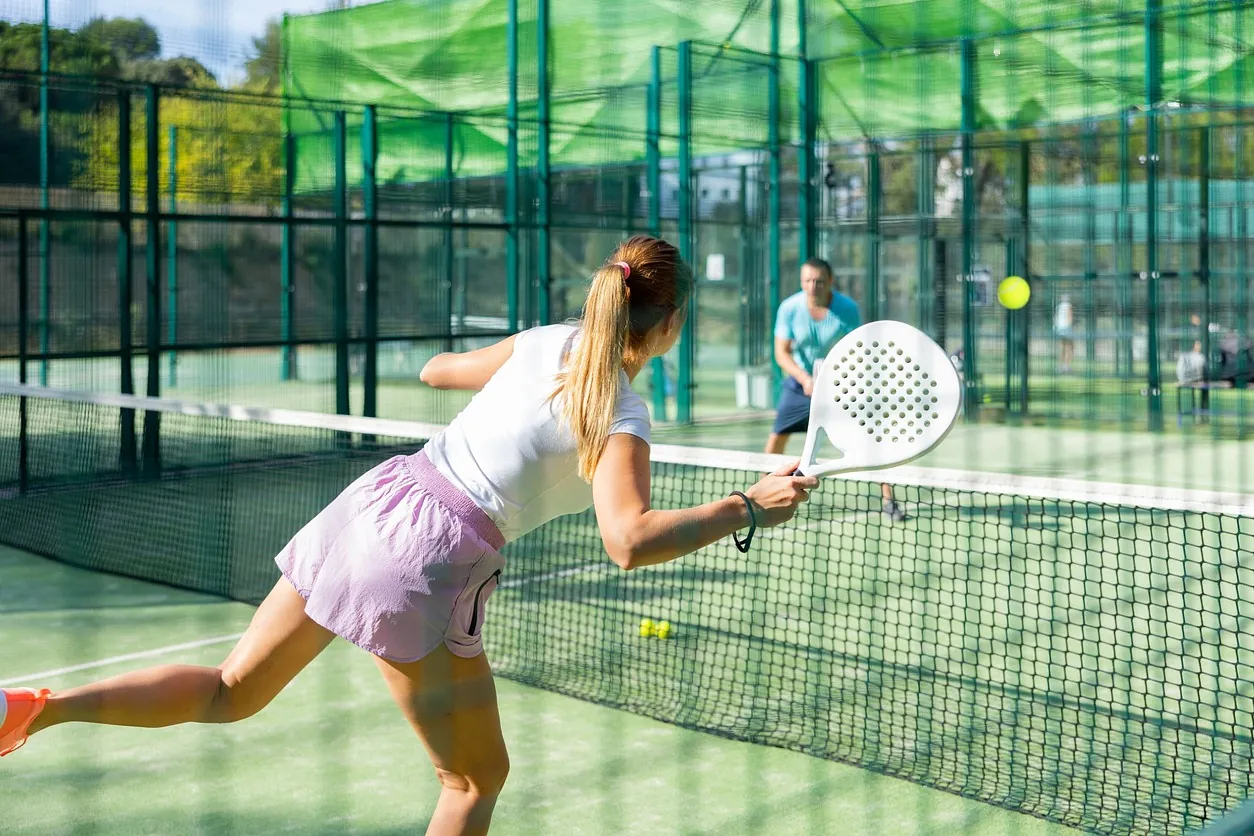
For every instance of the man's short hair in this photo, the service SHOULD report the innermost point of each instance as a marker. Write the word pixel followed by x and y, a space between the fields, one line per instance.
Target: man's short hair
pixel 822 266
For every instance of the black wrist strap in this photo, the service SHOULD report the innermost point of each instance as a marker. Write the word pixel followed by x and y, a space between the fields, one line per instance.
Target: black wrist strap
pixel 743 545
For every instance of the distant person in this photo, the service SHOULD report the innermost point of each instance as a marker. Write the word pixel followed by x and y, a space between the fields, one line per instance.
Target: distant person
pixel 1064 322
pixel 1191 365
pixel 1231 350
pixel 807 325
pixel 1236 358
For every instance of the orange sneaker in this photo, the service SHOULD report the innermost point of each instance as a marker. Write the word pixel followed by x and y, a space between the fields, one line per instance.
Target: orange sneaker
pixel 18 708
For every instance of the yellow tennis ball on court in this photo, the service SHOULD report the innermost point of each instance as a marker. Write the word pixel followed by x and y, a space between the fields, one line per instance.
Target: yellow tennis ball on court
pixel 646 627
pixel 663 629
pixel 1013 292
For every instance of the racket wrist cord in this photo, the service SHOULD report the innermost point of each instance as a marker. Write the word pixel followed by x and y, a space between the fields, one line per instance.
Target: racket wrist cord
pixel 743 545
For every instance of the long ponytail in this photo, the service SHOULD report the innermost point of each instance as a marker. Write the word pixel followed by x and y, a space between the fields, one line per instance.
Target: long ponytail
pixel 592 374
pixel 643 282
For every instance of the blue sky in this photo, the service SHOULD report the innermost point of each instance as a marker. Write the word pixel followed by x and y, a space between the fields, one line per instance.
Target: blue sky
pixel 216 32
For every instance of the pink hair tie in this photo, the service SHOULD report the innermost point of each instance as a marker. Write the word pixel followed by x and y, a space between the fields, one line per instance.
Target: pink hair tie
pixel 626 268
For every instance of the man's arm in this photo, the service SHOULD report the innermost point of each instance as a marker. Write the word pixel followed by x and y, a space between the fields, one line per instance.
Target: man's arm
pixel 783 356
pixel 784 345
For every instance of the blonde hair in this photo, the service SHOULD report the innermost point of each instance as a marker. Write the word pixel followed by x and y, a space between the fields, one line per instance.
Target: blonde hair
pixel 623 305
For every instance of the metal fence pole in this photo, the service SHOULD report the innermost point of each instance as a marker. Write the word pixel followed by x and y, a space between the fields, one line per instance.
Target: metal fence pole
pixel 172 261
pixel 128 456
pixel 339 266
pixel 970 365
pixel 370 254
pixel 1153 97
pixel 150 454
pixel 511 170
pixel 687 338
pixel 23 336
pixel 287 264
pixel 653 157
pixel 543 196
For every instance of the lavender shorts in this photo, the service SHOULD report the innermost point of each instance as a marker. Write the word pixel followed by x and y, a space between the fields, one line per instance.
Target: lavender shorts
pixel 399 563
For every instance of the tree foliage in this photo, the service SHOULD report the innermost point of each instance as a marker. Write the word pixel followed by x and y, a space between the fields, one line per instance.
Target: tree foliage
pixel 227 148
pixel 263 70
pixel 129 40
pixel 178 72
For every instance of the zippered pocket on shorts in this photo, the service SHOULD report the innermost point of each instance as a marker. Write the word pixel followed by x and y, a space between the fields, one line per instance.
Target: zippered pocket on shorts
pixel 475 608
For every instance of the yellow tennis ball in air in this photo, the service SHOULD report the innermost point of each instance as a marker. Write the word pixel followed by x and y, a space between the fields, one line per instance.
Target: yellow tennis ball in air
pixel 1013 292
pixel 663 629
pixel 646 627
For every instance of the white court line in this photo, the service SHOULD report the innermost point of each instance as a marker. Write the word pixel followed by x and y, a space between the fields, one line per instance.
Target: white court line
pixel 562 573
pixel 113 660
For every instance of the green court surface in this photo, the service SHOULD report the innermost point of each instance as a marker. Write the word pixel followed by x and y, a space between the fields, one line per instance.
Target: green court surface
pixel 332 755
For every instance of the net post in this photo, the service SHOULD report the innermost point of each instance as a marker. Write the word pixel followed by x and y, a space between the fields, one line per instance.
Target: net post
pixel 543 197
pixel 287 264
pixel 150 455
pixel 128 456
pixel 971 401
pixel 172 260
pixel 370 255
pixel 687 341
pixel 653 162
pixel 339 264
pixel 511 168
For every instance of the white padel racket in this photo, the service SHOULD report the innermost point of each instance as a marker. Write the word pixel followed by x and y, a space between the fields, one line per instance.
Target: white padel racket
pixel 884 395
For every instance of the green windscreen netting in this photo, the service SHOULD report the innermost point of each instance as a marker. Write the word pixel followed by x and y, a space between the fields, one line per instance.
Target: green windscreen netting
pixel 884 68
pixel 435 56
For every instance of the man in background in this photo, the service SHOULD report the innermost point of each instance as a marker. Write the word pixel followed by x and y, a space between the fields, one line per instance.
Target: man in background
pixel 807 325
pixel 1064 323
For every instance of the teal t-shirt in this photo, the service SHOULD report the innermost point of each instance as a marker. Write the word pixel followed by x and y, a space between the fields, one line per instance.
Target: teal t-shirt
pixel 812 340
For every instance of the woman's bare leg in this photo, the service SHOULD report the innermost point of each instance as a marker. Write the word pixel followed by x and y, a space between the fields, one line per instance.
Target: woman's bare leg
pixel 279 643
pixel 451 703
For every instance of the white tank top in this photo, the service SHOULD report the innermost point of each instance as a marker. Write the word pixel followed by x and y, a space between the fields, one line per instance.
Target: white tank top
pixel 510 450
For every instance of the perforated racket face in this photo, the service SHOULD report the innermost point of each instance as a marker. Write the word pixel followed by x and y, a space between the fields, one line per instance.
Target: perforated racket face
pixel 885 394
